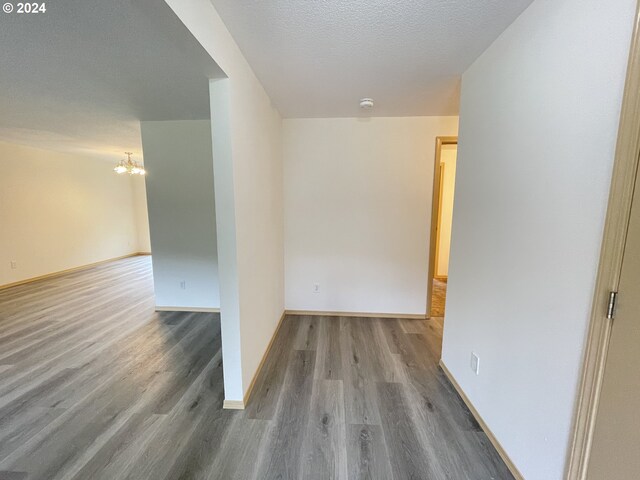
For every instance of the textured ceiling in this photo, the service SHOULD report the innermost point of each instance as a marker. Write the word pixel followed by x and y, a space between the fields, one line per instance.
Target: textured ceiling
pixel 81 76
pixel 318 58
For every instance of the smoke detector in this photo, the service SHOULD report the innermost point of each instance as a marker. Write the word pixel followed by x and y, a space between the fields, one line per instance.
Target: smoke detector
pixel 366 103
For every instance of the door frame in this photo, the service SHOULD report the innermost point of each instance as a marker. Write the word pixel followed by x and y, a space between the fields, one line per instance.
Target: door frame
pixel 435 214
pixel 441 173
pixel 623 180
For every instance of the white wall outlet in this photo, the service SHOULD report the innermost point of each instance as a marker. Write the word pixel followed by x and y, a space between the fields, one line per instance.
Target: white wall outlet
pixel 183 284
pixel 316 288
pixel 14 264
pixel 475 363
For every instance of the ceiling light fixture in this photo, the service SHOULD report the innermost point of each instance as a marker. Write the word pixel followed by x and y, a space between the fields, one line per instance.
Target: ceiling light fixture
pixel 366 103
pixel 129 166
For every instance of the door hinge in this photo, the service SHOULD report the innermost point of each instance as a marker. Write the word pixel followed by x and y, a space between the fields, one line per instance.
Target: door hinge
pixel 611 309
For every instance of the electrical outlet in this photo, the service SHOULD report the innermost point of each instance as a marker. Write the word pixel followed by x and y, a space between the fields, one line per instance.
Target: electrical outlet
pixel 14 264
pixel 183 284
pixel 475 363
pixel 316 288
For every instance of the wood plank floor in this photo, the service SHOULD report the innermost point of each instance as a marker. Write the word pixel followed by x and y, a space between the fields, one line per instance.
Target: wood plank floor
pixel 95 385
pixel 438 297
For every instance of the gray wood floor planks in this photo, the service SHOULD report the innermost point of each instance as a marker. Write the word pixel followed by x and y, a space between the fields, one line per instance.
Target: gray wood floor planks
pixel 324 452
pixel 96 385
pixel 283 457
pixel 269 384
pixel 328 354
pixel 240 449
pixel 307 336
pixel 367 453
pixel 410 458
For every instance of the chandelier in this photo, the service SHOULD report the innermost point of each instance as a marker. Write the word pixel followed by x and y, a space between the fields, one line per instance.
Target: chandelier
pixel 129 166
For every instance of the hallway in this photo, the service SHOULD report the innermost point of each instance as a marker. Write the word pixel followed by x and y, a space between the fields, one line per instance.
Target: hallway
pixel 96 385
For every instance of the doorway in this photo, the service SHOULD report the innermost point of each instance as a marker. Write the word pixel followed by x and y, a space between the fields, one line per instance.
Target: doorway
pixel 444 176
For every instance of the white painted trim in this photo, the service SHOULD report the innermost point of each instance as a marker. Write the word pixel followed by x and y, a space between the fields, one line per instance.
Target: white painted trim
pixel 233 405
pixel 410 316
pixel 160 308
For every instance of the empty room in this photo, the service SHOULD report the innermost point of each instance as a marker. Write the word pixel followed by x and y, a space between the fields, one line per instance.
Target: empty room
pixel 319 240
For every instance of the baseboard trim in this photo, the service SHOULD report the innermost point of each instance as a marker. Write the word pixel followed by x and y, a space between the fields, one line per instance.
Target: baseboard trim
pixel 241 404
pixel 496 444
pixel 233 405
pixel 247 394
pixel 410 316
pixel 68 270
pixel 163 308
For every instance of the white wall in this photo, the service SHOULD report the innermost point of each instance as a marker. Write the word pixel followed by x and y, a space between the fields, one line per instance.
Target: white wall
pixel 60 211
pixel 141 215
pixel 448 155
pixel 227 244
pixel 358 212
pixel 255 133
pixel 180 198
pixel 538 125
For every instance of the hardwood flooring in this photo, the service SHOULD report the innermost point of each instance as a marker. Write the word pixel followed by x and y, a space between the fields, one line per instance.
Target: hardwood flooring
pixel 438 297
pixel 96 385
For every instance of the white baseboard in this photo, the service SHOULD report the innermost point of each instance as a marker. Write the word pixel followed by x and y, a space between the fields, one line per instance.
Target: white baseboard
pixel 492 438
pixel 247 394
pixel 164 308
pixel 68 270
pixel 233 405
pixel 410 316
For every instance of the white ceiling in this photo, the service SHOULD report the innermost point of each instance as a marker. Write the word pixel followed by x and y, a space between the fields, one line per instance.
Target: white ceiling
pixel 318 58
pixel 81 76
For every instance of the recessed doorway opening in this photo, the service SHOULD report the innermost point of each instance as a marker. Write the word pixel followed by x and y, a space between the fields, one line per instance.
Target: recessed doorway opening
pixel 444 176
